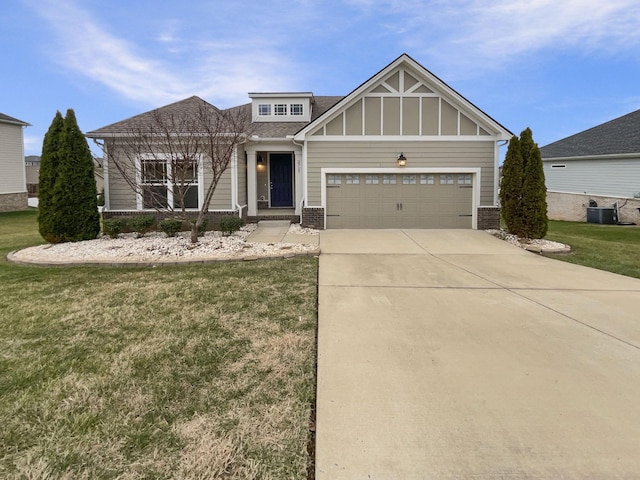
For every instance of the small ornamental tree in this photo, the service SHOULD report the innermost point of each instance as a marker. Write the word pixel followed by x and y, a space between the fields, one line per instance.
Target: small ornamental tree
pixel 72 195
pixel 165 152
pixel 47 224
pixel 522 189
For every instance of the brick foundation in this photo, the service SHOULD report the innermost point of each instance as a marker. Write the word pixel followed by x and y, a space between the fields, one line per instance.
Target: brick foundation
pixel 313 217
pixel 488 217
pixel 12 202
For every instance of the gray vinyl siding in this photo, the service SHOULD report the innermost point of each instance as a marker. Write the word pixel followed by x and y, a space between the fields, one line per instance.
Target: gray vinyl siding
pixel 383 155
pixel 12 179
pixel 611 177
pixel 122 196
pixel 222 197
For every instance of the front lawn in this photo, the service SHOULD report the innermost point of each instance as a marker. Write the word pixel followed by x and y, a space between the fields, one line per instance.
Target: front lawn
pixel 191 372
pixel 614 248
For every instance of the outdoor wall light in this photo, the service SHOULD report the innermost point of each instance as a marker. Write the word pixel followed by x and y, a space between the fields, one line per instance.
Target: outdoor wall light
pixel 402 160
pixel 260 159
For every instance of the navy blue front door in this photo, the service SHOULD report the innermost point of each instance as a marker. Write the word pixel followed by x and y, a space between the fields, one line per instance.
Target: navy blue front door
pixel 281 178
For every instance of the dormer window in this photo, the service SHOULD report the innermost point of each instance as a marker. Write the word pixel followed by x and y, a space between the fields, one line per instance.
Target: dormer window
pixel 281 107
pixel 264 109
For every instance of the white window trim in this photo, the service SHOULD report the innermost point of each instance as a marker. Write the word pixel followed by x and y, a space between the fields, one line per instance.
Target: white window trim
pixel 139 198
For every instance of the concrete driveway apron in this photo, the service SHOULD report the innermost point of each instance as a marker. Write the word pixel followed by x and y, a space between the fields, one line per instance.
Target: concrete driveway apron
pixel 452 354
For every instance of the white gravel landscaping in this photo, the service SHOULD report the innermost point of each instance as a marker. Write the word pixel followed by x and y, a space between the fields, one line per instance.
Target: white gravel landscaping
pixel 157 247
pixel 533 245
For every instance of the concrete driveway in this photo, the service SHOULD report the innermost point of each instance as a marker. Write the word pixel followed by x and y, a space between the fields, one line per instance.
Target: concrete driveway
pixel 452 354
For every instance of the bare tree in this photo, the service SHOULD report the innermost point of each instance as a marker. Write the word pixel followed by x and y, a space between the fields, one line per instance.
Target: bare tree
pixel 162 153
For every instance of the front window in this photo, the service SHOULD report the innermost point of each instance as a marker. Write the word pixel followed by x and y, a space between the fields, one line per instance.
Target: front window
pixel 280 109
pixel 166 183
pixel 296 109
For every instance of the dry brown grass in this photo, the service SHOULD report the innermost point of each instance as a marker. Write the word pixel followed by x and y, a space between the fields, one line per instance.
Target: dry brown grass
pixel 191 372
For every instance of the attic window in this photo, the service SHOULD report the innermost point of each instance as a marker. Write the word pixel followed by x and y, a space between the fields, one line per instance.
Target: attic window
pixel 296 109
pixel 558 166
pixel 280 108
pixel 264 109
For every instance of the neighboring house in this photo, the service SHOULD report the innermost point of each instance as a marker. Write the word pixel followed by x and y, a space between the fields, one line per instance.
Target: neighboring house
pixel 600 165
pixel 402 150
pixel 13 184
pixel 32 166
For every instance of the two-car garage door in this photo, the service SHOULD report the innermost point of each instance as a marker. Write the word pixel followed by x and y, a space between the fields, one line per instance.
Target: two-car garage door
pixel 399 200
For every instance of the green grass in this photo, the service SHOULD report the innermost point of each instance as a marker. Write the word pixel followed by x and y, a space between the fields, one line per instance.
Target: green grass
pixel 613 248
pixel 192 372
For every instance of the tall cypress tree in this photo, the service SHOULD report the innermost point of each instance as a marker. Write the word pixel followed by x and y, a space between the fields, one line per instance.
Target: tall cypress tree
pixel 69 208
pixel 47 223
pixel 526 146
pixel 523 194
pixel 534 197
pixel 511 186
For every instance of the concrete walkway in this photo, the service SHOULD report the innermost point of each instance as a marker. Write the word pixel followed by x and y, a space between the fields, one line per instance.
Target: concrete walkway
pixel 277 231
pixel 451 354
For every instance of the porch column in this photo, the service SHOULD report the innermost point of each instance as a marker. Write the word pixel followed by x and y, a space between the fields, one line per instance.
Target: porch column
pixel 299 179
pixel 252 184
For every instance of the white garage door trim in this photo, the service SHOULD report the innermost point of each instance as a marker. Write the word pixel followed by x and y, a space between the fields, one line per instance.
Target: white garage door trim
pixel 475 172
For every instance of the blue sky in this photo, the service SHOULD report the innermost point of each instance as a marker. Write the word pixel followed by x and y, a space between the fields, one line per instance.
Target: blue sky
pixel 557 66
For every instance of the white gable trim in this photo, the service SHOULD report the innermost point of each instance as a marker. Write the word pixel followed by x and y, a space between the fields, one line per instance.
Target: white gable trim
pixel 441 88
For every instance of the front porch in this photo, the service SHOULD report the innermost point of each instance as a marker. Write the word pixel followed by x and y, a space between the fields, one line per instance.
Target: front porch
pixel 288 214
pixel 274 182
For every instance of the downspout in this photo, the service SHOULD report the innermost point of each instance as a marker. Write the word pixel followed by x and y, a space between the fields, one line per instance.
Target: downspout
pixel 496 173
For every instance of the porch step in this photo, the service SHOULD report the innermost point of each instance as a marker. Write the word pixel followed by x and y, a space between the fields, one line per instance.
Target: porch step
pixel 274 223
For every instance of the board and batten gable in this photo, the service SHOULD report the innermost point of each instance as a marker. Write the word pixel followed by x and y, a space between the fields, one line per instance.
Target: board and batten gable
pixel 404 109
pixel 609 177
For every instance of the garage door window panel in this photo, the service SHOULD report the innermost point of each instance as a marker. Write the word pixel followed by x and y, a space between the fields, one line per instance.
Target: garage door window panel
pixel 408 179
pixel 446 179
pixel 371 180
pixel 388 179
pixel 334 179
pixel 352 179
pixel 426 179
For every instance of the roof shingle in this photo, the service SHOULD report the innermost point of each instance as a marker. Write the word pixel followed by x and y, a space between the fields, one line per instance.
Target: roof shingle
pixel 618 136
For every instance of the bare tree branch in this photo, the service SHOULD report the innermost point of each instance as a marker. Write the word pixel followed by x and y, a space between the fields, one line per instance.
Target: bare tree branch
pixel 161 155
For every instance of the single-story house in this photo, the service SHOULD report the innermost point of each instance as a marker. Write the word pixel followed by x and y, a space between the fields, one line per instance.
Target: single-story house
pixel 402 150
pixel 13 183
pixel 599 166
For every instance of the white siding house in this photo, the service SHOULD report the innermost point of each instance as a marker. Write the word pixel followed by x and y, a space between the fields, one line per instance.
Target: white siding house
pixel 13 183
pixel 600 165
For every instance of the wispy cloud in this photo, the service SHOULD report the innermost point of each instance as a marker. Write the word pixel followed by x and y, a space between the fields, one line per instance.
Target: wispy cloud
pixel 481 33
pixel 220 73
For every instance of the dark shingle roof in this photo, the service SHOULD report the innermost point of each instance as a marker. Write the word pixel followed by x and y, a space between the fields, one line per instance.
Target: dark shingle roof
pixel 177 109
pixel 618 136
pixel 192 104
pixel 7 119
